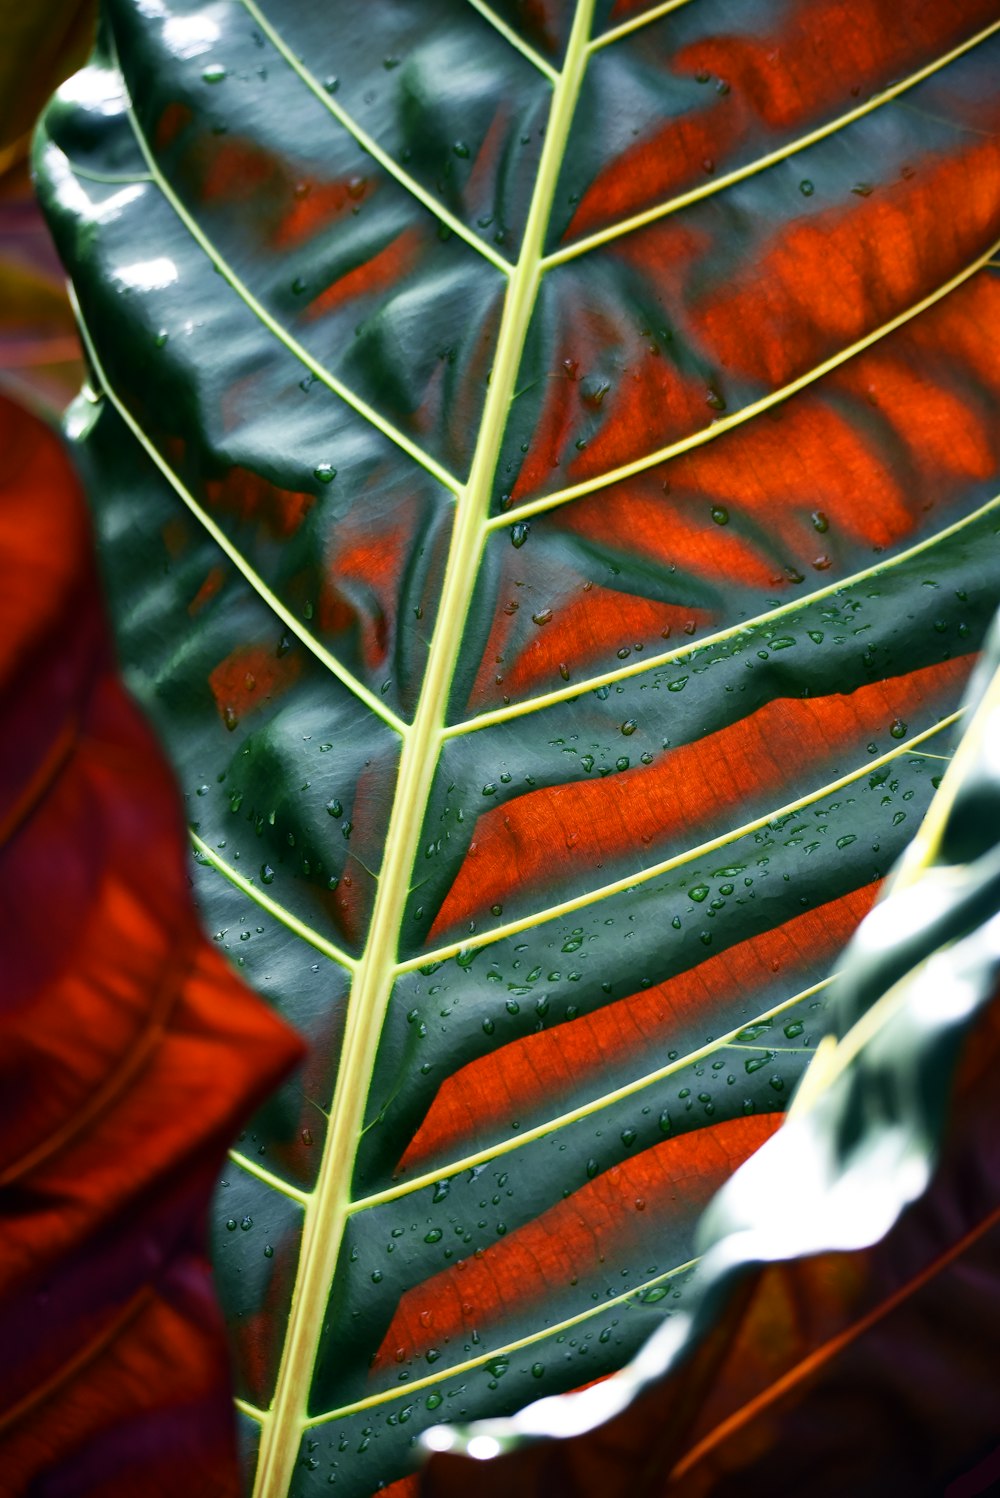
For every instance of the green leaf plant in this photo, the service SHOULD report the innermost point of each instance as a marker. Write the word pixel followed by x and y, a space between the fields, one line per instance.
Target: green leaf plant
pixel 545 467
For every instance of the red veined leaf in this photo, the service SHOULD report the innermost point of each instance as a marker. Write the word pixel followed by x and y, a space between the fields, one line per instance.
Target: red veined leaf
pixel 849 1287
pixel 553 550
pixel 130 1051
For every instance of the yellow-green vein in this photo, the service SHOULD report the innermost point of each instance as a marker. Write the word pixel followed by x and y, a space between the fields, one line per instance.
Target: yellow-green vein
pixel 583 1110
pixel 285 1188
pixel 218 535
pixel 727 423
pixel 518 42
pixel 637 23
pixel 772 158
pixel 327 1214
pixel 404 1391
pixel 654 871
pixel 279 912
pixel 228 274
pixel 370 145
pixel 682 654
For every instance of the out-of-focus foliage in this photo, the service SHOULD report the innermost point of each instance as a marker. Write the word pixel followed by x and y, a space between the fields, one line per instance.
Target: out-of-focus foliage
pixel 40 360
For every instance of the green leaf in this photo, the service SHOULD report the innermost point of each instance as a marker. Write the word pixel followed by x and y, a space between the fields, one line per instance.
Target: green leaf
pixel 856 1247
pixel 546 475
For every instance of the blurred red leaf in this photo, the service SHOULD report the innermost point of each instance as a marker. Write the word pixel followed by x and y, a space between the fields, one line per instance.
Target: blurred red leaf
pixel 129 1052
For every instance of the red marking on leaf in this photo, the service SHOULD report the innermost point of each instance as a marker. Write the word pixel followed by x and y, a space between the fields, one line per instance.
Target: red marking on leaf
pixel 528 842
pixel 174 119
pixel 829 279
pixel 533 1074
pixel 381 272
pixel 819 62
pixel 578 631
pixel 599 1221
pixel 208 590
pixel 250 677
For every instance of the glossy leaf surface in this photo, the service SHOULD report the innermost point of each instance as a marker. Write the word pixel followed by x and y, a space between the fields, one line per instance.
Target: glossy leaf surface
pixel 547 468
pixel 849 1283
pixel 129 1052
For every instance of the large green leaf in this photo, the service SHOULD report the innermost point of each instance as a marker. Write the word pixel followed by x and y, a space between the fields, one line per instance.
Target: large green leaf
pixel 849 1280
pixel 546 468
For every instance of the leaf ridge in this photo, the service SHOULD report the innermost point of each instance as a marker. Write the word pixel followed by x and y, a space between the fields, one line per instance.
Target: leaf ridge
pixel 683 654
pixel 772 158
pixel 755 408
pixel 264 902
pixel 385 1396
pixel 591 1107
pixel 371 146
pixel 273 326
pixel 642 876
pixel 260 587
pixel 516 41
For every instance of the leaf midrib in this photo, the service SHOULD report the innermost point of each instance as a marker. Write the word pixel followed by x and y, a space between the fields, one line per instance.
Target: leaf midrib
pixel 328 1211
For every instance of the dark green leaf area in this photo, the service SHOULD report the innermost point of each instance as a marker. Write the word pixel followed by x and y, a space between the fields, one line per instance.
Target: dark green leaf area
pixel 264 740
pixel 248 1443
pixel 770 696
pixel 436 87
pixel 345 528
pixel 295 212
pixel 684 937
pixel 254 1238
pixel 629 1193
pixel 377 1440
pixel 310 991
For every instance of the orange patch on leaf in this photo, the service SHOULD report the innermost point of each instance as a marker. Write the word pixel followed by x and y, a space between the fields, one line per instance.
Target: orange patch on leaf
pixel 530 1074
pixel 250 677
pixel 600 1221
pixel 551 833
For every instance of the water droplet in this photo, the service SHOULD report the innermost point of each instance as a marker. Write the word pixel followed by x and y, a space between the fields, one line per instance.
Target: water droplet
pixel 266 874
pixel 325 472
pixel 629 727
pixel 331 84
pixel 806 188
pixel 161 338
pixel 214 73
pixel 720 515
pixel 897 728
pixel 537 1370
pixel 246 1224
pixel 461 149
pixel 699 892
pixel 543 616
pixel 434 1236
pixel 231 1224
pixel 519 533
pixel 433 1401
pixel 268 1251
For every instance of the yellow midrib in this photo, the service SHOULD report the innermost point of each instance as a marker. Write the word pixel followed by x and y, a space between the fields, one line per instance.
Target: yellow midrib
pixel 328 1209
